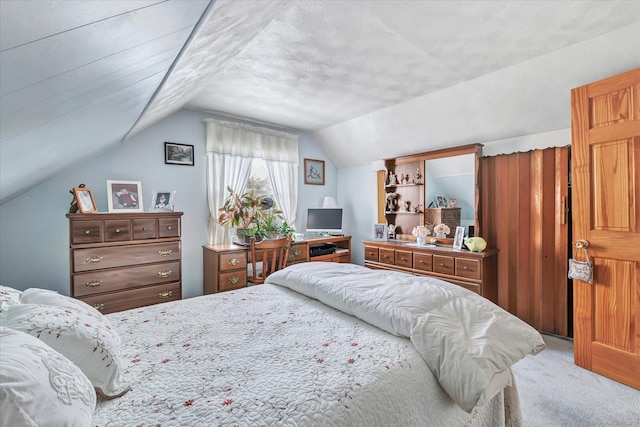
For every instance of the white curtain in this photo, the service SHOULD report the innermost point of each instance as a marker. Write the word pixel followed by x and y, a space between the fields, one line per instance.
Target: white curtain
pixel 231 148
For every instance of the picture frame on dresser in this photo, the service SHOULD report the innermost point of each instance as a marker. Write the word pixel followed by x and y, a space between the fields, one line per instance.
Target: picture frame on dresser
pixel 459 237
pixel 162 201
pixel 84 198
pixel 441 201
pixel 124 196
pixel 380 232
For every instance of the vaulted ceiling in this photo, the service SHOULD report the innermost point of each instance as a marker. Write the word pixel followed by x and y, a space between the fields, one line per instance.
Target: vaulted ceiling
pixel 78 77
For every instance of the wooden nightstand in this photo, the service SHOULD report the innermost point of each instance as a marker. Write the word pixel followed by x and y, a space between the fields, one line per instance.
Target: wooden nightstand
pixel 224 267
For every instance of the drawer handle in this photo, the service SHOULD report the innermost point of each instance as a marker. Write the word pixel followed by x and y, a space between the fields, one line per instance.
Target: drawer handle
pixel 94 284
pixel 117 230
pixel 234 261
pixel 403 259
pixel 465 268
pixel 165 273
pixel 165 294
pixel 233 280
pixel 297 252
pixel 385 256
pixel 165 252
pixel 442 264
pixel 87 231
pixel 144 228
pixel 421 262
pixel 98 307
pixel 169 228
pixel 94 260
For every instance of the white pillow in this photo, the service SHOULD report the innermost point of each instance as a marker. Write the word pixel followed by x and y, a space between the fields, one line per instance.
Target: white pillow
pixel 87 341
pixel 9 296
pixel 39 386
pixel 49 297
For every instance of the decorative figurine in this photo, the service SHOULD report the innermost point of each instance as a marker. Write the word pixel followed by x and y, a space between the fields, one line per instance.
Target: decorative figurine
pixel 418 178
pixel 392 231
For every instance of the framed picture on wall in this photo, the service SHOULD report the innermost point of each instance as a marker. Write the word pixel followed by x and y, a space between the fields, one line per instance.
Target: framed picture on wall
pixel 314 172
pixel 85 200
pixel 178 154
pixel 124 196
pixel 380 231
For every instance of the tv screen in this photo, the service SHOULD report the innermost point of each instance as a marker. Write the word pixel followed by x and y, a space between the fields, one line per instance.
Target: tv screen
pixel 324 220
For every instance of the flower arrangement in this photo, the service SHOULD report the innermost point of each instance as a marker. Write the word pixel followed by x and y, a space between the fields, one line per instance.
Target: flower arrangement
pixel 442 229
pixel 420 231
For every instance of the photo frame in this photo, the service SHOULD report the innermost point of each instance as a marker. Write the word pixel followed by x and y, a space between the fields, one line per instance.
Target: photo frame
pixel 178 154
pixel 452 203
pixel 314 172
pixel 84 199
pixel 380 232
pixel 459 237
pixel 124 196
pixel 441 201
pixel 162 201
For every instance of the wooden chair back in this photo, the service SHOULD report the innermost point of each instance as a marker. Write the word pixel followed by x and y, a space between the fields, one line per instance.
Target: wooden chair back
pixel 272 253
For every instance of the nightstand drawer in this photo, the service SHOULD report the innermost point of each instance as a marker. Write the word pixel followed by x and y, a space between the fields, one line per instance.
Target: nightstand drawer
pixel 469 268
pixel 404 259
pixel 233 261
pixel 298 252
pixel 387 256
pixel 371 254
pixel 232 280
pixel 443 264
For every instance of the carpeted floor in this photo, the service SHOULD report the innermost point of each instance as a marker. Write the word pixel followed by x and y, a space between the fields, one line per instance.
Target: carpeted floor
pixel 556 392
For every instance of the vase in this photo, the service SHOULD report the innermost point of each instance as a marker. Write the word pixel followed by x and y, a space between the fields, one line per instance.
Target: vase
pixel 421 240
pixel 441 235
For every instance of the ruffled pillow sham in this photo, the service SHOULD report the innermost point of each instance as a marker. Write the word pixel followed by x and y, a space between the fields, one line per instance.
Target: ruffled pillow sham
pixel 39 386
pixel 9 296
pixel 86 340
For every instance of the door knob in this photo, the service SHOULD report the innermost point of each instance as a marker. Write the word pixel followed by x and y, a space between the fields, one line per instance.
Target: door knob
pixel 582 244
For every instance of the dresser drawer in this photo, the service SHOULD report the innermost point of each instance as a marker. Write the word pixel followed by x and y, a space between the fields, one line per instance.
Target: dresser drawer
pixel 133 298
pixel 371 253
pixel 388 256
pixel 232 280
pixel 469 268
pixel 86 232
pixel 144 229
pixel 443 264
pixel 124 278
pixel 117 230
pixel 422 262
pixel 404 259
pixel 121 256
pixel 233 261
pixel 168 227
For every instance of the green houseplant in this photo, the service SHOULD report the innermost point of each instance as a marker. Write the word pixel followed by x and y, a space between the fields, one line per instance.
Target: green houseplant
pixel 253 215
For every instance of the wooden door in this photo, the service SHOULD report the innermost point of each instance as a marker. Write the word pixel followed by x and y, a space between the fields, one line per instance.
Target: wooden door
pixel 605 121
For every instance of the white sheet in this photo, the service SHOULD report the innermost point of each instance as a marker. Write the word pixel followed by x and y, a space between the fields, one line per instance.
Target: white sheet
pixel 465 339
pixel 266 355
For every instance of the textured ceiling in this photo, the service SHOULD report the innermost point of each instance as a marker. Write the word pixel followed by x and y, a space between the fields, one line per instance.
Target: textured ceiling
pixel 78 77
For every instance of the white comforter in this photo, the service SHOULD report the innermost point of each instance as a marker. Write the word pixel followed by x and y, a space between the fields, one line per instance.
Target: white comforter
pixel 269 356
pixel 467 341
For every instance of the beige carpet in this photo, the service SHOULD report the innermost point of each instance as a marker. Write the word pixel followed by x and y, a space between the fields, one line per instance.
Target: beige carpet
pixel 556 392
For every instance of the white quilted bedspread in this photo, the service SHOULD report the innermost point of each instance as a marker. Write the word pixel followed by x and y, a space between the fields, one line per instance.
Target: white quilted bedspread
pixel 265 356
pixel 467 341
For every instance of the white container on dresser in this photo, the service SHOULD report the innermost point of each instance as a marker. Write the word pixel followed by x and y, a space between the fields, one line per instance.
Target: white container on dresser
pixel 121 261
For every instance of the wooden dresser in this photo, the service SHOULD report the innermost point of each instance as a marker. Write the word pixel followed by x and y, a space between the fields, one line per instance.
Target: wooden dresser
pixel 125 260
pixel 476 271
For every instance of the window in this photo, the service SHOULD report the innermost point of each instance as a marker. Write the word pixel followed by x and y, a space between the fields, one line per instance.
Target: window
pixel 259 180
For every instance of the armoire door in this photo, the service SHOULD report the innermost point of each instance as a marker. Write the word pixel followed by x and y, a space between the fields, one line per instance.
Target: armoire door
pixel 605 121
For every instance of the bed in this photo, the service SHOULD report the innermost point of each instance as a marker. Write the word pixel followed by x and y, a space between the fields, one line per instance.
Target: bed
pixel 320 344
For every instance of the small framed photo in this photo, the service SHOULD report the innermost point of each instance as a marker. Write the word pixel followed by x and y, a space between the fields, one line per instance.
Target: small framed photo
pixel 178 154
pixel 124 196
pixel 441 201
pixel 380 231
pixel 459 237
pixel 314 172
pixel 85 200
pixel 162 201
pixel 453 203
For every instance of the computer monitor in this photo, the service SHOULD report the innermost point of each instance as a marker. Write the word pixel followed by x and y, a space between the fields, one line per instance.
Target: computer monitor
pixel 324 220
